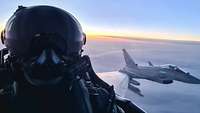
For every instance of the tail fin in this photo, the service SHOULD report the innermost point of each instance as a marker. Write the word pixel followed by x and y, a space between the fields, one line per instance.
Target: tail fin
pixel 129 61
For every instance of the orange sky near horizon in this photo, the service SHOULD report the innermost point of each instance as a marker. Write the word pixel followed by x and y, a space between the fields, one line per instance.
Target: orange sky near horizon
pixel 143 19
pixel 93 33
pixel 145 35
pixel 1 27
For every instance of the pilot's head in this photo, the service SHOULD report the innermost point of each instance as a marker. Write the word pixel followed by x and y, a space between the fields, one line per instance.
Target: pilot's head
pixel 42 38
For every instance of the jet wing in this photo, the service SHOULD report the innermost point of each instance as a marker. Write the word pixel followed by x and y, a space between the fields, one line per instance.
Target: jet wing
pixel 117 79
pixel 120 83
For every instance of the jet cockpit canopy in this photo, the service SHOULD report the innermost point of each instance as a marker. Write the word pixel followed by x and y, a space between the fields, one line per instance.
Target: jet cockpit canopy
pixel 173 67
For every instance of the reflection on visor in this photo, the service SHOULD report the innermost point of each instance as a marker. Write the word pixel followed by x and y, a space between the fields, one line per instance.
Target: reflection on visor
pixel 44 41
pixel 44 56
pixel 47 68
pixel 41 58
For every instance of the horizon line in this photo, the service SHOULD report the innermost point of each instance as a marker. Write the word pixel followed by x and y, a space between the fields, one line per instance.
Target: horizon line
pixel 141 38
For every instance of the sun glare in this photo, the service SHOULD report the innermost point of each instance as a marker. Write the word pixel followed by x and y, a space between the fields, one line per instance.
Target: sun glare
pixel 1 27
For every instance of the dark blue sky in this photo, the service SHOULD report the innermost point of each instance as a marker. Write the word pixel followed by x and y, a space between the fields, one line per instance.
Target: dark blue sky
pixel 171 19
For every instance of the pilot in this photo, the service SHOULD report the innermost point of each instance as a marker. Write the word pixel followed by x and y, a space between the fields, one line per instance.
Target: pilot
pixel 43 70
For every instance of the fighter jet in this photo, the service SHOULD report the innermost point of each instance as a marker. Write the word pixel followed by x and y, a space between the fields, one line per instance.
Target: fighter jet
pixel 164 74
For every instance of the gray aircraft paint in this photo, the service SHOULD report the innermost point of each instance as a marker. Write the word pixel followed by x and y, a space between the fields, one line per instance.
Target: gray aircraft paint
pixel 164 74
pixel 106 56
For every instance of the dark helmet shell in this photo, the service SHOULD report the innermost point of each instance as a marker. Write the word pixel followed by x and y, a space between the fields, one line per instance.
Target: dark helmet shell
pixel 28 24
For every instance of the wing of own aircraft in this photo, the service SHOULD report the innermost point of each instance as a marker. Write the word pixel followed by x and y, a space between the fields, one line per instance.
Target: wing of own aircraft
pixel 117 79
pixel 121 82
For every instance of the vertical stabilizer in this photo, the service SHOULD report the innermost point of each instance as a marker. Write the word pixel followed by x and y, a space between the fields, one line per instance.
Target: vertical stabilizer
pixel 129 61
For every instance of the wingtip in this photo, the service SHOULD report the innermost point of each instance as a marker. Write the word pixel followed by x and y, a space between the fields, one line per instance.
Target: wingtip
pixel 141 95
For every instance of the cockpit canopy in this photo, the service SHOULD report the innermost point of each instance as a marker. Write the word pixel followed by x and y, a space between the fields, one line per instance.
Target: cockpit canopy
pixel 169 66
pixel 173 67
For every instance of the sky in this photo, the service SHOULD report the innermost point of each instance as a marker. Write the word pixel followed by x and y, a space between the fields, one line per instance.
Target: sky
pixel 160 19
pixel 177 97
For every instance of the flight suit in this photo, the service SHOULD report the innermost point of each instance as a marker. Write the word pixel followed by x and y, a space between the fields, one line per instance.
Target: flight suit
pixel 83 93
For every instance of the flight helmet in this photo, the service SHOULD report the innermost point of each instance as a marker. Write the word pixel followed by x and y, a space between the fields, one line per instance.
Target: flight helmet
pixel 41 37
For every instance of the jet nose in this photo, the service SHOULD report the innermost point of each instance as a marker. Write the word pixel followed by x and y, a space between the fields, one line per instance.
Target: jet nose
pixel 167 81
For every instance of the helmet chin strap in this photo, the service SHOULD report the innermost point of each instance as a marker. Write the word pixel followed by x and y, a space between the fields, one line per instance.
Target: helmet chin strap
pixel 47 58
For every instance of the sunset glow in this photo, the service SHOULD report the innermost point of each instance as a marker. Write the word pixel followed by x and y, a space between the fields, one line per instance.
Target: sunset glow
pixel 1 27
pixel 145 35
pixel 171 20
